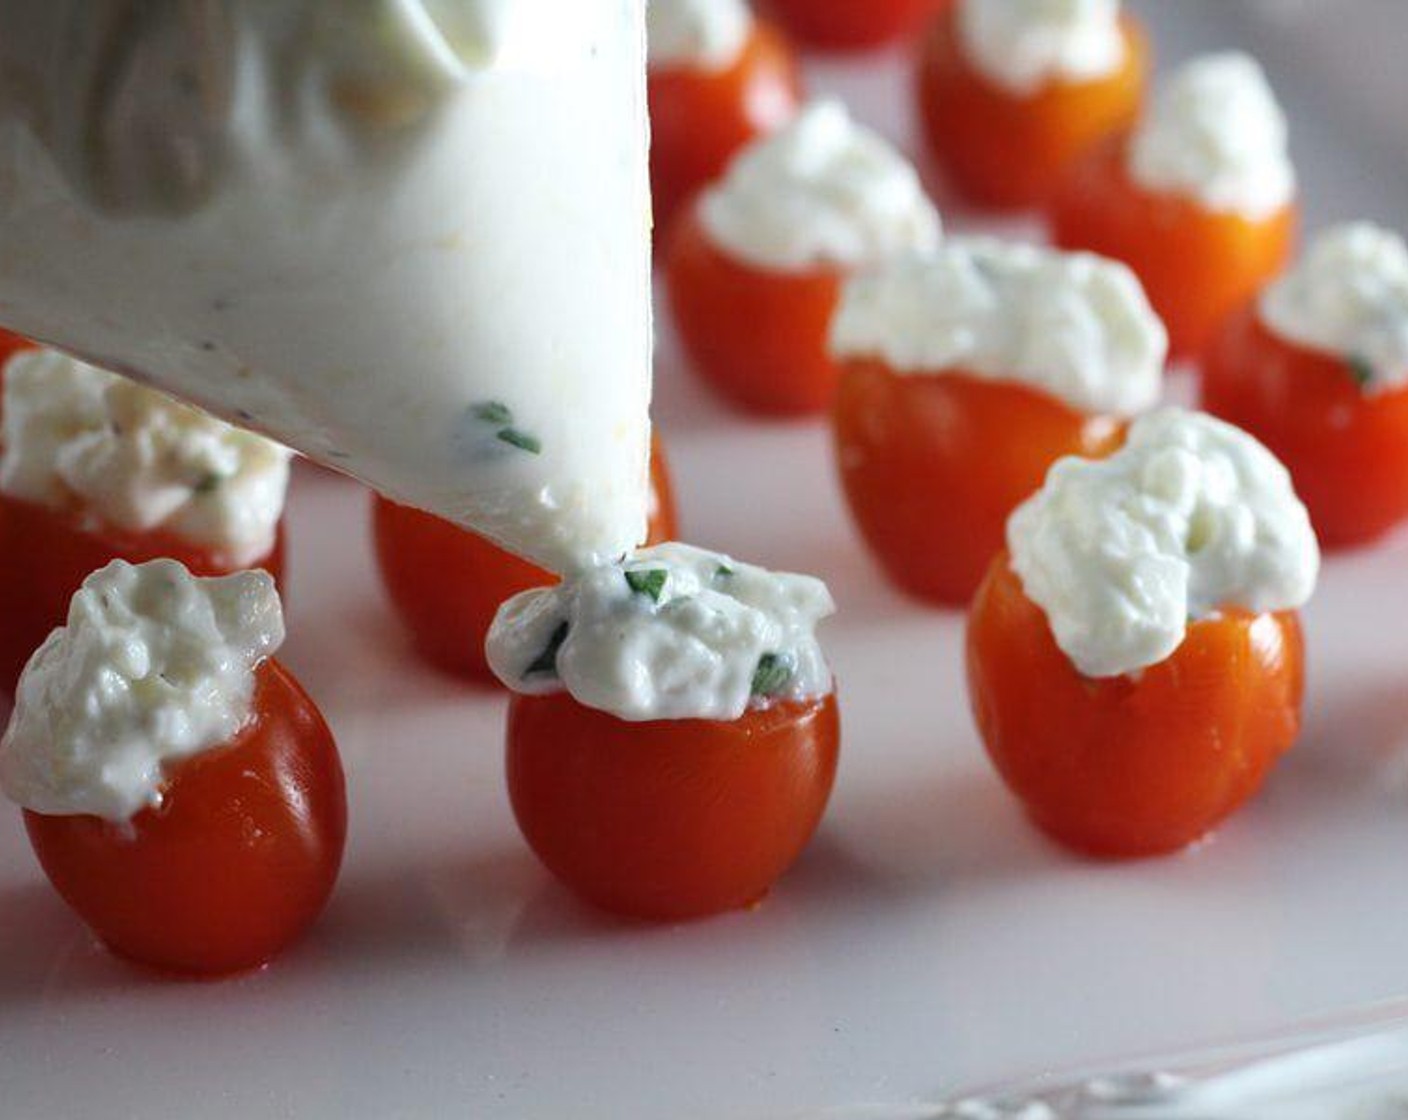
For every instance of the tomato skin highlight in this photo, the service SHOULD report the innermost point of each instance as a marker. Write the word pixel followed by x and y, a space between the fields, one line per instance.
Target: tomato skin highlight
pixel 47 554
pixel 1347 452
pixel 700 119
pixel 757 336
pixel 1007 151
pixel 1132 765
pixel 446 583
pixel 932 465
pixel 853 25
pixel 672 819
pixel 235 864
pixel 1197 266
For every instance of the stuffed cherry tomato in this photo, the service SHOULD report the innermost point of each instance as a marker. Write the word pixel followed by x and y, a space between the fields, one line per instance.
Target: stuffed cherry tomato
pixel 11 344
pixel 1317 369
pixel 446 583
pixel 1135 663
pixel 718 79
pixel 847 25
pixel 674 738
pixel 966 375
pixel 754 268
pixel 1199 200
pixel 1012 93
pixel 189 805
pixel 95 467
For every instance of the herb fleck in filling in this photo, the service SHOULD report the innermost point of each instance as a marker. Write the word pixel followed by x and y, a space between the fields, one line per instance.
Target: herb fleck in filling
pixel 498 415
pixel 773 673
pixel 650 581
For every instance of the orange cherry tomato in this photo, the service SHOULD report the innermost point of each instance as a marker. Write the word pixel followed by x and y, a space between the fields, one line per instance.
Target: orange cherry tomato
pixel 700 118
pixel 1198 266
pixel 849 25
pixel 446 583
pixel 758 336
pixel 933 464
pixel 1140 764
pixel 1001 149
pixel 672 819
pixel 1347 452
pixel 237 861
pixel 48 554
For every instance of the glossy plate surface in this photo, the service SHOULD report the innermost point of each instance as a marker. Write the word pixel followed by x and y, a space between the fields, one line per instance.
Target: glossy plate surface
pixel 928 941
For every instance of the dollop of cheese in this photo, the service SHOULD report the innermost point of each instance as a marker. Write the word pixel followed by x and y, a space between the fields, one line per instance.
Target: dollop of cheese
pixel 1191 516
pixel 153 665
pixel 700 34
pixel 1217 135
pixel 671 632
pixel 1348 297
pixel 821 191
pixel 1073 325
pixel 1025 45
pixel 77 438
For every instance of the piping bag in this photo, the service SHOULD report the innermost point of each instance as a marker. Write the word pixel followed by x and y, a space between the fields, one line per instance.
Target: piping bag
pixel 409 238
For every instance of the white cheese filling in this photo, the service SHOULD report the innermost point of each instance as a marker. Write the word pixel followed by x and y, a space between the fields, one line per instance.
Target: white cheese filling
pixel 823 191
pixel 1073 325
pixel 1025 45
pixel 1192 516
pixel 699 34
pixel 672 632
pixel 77 438
pixel 1216 135
pixel 1348 298
pixel 154 665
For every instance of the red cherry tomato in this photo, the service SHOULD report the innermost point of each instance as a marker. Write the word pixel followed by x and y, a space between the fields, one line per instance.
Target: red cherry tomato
pixel 235 864
pixel 700 118
pixel 1347 452
pixel 45 555
pixel 10 344
pixel 758 336
pixel 1198 266
pixel 1132 765
pixel 1001 149
pixel 672 819
pixel 933 464
pixel 850 25
pixel 446 583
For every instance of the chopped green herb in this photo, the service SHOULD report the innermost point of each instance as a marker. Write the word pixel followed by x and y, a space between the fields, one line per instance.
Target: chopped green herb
pixel 521 440
pixel 723 571
pixel 772 674
pixel 209 483
pixel 648 581
pixel 493 412
pixel 546 662
pixel 1361 369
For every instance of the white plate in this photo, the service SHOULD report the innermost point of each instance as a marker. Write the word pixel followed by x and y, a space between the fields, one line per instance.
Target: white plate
pixel 928 940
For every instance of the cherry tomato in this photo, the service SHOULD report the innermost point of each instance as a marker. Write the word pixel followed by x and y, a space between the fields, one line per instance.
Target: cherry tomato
pixel 758 336
pixel 850 25
pixel 1198 266
pixel 10 344
pixel 933 464
pixel 700 118
pixel 45 555
pixel 1001 149
pixel 237 861
pixel 446 583
pixel 1347 451
pixel 1139 764
pixel 672 819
